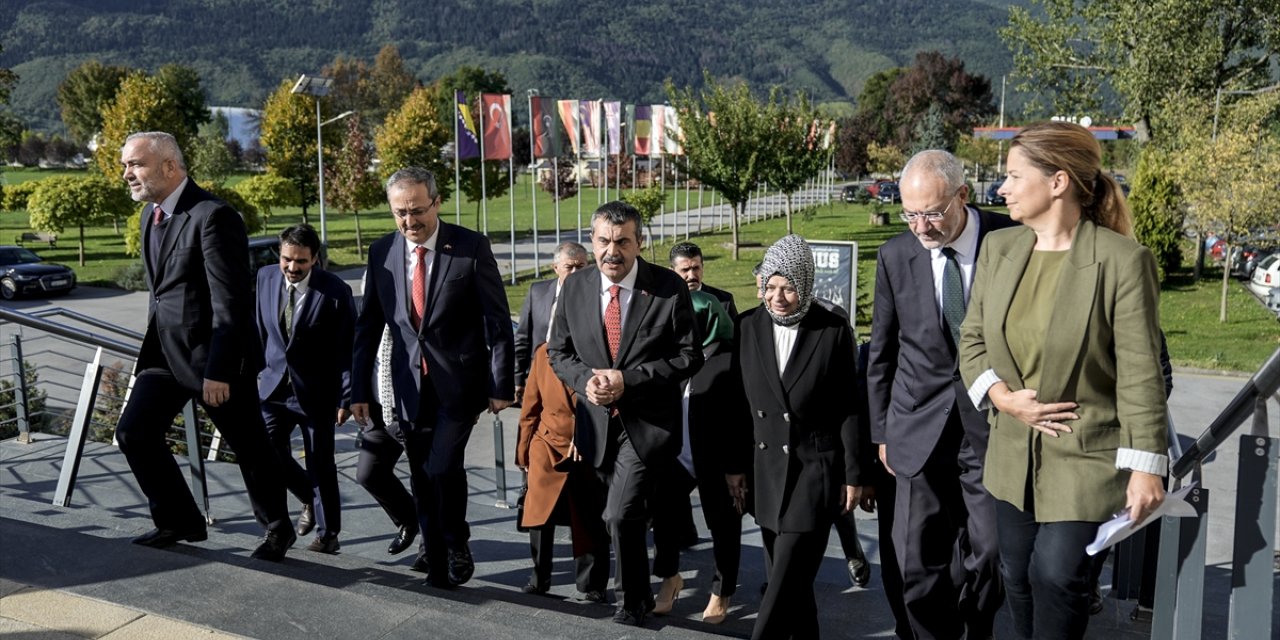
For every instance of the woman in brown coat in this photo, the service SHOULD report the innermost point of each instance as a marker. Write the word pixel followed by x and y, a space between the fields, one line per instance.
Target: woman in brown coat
pixel 562 487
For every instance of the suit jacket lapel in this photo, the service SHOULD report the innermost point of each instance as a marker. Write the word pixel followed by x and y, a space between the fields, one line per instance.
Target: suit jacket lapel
pixel 1013 260
pixel 311 303
pixel 1073 305
pixel 440 270
pixel 275 281
pixel 395 263
pixel 641 300
pixel 767 353
pixel 807 340
pixel 920 265
pixel 173 228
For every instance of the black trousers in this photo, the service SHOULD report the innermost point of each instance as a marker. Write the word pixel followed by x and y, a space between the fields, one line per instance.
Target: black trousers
pixel 631 486
pixel 380 448
pixel 788 608
pixel 944 536
pixel 317 485
pixel 156 400
pixel 581 503
pixel 673 510
pixel 436 444
pixel 846 525
pixel 890 575
pixel 1046 572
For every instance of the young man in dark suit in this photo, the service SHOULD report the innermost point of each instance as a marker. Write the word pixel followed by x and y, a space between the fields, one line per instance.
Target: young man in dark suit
pixel 535 313
pixel 437 287
pixel 199 343
pixel 306 320
pixel 929 435
pixel 686 261
pixel 623 338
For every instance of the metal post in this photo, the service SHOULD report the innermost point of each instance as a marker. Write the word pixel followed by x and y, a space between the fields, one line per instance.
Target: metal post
pixel 198 485
pixel 21 405
pixel 324 239
pixel 499 465
pixel 79 429
pixel 1252 553
pixel 1180 579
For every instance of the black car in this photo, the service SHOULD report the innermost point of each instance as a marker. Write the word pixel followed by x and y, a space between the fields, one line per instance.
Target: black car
pixel 266 250
pixel 22 272
pixel 993 194
pixel 855 194
pixel 888 193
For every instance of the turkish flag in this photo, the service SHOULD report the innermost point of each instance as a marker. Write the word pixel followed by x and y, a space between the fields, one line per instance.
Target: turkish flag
pixel 497 125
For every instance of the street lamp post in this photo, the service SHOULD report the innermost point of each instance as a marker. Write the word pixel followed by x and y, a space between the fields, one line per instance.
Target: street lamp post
pixel 317 87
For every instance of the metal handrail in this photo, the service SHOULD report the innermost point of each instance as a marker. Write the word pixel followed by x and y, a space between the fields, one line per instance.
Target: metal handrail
pixel 1262 384
pixel 71 333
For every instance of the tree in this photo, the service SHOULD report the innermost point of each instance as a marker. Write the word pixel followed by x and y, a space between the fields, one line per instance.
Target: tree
pixel 414 135
pixel 1228 180
pixel 289 137
pixel 353 187
pixel 795 154
pixel 1145 50
pixel 78 201
pixel 10 127
pixel 982 152
pixel 83 94
pixel 266 191
pixel 371 92
pixel 648 202
pixel 182 84
pixel 962 99
pixel 930 131
pixel 210 160
pixel 723 128
pixel 141 104
pixel 1157 210
pixel 562 183
pixel 885 158
pixel 852 136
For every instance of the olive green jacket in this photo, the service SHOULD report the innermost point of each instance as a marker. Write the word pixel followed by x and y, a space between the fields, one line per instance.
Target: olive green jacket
pixel 1101 350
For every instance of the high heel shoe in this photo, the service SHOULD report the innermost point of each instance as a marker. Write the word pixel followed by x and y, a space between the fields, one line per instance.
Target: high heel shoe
pixel 717 609
pixel 667 594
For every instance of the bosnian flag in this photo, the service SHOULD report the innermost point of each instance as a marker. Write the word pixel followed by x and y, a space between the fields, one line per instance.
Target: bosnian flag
pixel 467 143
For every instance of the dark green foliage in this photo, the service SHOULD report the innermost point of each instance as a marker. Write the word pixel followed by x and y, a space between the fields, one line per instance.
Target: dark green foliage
pixel 570 49
pixel 36 404
pixel 1157 211
pixel 132 277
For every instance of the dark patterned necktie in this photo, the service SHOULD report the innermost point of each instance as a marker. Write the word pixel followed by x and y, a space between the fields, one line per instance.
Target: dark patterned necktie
pixel 613 322
pixel 953 306
pixel 286 317
pixel 157 216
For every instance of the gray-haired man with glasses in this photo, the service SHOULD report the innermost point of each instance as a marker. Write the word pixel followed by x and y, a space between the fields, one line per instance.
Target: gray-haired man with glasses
pixel 930 437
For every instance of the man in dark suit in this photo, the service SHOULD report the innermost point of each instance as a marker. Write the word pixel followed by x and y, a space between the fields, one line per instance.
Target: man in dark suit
pixel 437 287
pixel 306 318
pixel 623 339
pixel 199 344
pixel 930 437
pixel 535 313
pixel 686 261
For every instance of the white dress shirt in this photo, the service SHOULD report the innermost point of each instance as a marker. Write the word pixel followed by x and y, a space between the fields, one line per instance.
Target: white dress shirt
pixel 966 247
pixel 411 264
pixel 784 338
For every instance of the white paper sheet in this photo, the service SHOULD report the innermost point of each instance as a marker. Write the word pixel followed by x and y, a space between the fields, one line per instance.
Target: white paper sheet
pixel 1175 505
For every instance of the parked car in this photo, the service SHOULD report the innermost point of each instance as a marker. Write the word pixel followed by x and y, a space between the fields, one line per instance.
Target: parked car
pixel 992 195
pixel 1266 277
pixel 855 194
pixel 888 193
pixel 1245 259
pixel 265 250
pixel 23 273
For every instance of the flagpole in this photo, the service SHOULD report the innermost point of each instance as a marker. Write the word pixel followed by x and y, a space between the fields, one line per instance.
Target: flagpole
pixel 577 177
pixel 457 172
pixel 700 212
pixel 555 180
pixel 484 195
pixel 533 188
pixel 511 182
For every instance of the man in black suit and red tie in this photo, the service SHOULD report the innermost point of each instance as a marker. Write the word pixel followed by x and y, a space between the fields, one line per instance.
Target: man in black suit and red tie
pixel 623 338
pixel 200 343
pixel 437 287
pixel 929 434
pixel 306 319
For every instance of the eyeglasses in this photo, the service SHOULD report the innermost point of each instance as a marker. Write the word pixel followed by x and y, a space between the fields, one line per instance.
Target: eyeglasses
pixel 910 217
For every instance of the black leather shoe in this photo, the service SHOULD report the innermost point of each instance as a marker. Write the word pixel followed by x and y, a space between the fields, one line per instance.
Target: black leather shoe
pixel 535 588
pixel 306 520
pixel 274 545
pixel 327 543
pixel 1095 600
pixel 595 595
pixel 161 538
pixel 859 572
pixel 632 617
pixel 461 566
pixel 420 565
pixel 403 539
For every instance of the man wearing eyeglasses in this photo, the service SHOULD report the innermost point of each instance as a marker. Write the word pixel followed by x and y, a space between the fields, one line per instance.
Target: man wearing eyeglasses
pixel 931 438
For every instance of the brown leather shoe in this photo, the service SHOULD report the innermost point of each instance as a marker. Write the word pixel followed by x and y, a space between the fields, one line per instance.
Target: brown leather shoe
pixel 327 543
pixel 306 520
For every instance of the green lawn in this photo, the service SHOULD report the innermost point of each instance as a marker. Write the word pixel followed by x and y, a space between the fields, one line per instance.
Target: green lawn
pixel 1189 311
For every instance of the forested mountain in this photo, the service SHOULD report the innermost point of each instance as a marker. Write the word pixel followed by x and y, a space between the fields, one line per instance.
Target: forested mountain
pixel 571 49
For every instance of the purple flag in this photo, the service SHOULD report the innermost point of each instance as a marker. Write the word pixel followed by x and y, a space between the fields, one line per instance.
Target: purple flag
pixel 468 144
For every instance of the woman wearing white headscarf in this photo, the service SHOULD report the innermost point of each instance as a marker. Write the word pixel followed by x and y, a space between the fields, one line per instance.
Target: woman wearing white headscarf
pixel 797 363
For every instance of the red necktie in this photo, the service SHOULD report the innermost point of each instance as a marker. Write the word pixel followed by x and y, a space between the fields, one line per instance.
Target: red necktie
pixel 613 322
pixel 157 215
pixel 420 295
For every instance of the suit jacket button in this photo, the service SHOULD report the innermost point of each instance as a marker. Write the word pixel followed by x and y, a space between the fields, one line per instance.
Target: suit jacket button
pixel 786 449
pixel 759 414
pixel 762 446
pixel 786 417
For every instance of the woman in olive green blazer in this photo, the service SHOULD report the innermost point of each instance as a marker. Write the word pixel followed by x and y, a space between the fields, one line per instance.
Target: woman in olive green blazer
pixel 1062 341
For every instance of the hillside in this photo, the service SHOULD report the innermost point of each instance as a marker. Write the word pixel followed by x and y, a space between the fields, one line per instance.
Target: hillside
pixel 584 48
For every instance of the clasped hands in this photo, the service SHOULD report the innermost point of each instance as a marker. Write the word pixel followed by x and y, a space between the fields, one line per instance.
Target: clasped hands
pixel 604 387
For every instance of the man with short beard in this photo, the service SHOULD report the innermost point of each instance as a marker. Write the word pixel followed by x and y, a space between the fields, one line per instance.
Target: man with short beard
pixel 200 343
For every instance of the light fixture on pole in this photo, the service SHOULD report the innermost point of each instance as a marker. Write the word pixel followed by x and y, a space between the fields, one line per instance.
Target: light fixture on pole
pixel 316 87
